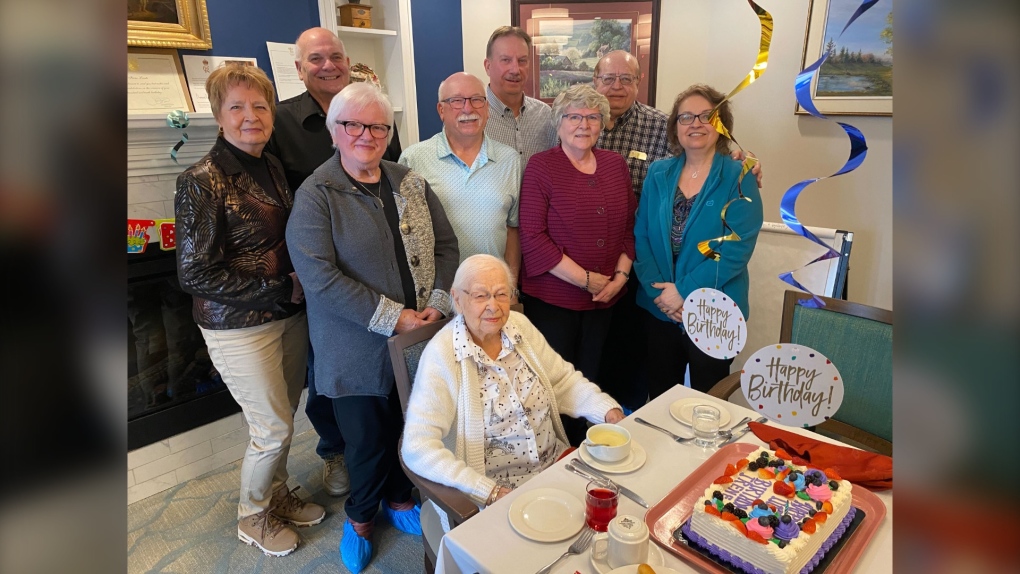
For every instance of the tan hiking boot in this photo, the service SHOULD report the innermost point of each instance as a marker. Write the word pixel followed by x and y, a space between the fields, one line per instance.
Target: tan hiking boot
pixel 267 533
pixel 335 477
pixel 286 506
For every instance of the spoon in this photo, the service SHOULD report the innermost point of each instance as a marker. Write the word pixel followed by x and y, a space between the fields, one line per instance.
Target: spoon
pixel 589 443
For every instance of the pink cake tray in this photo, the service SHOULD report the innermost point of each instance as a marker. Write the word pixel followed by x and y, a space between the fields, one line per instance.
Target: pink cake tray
pixel 675 508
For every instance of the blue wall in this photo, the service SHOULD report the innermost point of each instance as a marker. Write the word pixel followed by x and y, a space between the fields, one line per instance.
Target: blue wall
pixel 242 27
pixel 438 52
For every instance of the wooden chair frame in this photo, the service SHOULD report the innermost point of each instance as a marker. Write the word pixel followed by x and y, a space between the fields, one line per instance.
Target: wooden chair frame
pixel 726 387
pixel 455 503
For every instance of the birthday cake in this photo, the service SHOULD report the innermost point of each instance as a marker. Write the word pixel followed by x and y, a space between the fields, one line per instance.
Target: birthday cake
pixel 766 515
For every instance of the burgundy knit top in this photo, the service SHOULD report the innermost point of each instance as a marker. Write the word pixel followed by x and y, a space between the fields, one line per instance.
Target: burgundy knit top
pixel 589 218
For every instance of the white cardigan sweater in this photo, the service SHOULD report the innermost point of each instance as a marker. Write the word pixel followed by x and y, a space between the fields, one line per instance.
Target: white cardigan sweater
pixel 444 434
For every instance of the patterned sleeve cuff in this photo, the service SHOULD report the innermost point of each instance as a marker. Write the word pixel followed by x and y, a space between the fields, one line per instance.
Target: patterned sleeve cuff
pixel 384 320
pixel 441 301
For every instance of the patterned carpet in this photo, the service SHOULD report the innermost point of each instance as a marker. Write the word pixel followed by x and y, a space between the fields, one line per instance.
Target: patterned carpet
pixel 192 528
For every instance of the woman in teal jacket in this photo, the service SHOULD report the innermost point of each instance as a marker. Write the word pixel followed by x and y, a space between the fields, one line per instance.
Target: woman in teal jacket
pixel 681 204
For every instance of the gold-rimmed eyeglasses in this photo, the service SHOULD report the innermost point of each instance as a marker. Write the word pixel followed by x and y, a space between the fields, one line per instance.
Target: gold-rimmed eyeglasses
pixel 482 297
pixel 574 120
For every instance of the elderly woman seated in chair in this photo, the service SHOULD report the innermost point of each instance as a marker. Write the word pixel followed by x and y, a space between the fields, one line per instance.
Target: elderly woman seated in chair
pixel 483 416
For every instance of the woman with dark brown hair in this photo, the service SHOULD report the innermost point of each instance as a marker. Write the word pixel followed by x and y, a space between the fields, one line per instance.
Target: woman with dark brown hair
pixel 681 204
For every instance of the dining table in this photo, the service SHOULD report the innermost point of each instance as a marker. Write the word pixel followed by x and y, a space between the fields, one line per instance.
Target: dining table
pixel 488 544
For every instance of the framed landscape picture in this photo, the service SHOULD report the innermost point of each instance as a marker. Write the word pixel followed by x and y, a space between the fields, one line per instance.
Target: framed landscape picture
pixel 569 37
pixel 168 24
pixel 857 78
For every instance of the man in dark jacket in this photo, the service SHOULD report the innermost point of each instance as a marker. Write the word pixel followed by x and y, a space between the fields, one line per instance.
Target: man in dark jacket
pixel 302 142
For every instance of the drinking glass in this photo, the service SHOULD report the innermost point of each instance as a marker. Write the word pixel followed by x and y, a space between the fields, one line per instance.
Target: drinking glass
pixel 600 503
pixel 705 421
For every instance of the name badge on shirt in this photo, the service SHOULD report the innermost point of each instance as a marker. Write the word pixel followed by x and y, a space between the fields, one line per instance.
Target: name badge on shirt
pixel 638 155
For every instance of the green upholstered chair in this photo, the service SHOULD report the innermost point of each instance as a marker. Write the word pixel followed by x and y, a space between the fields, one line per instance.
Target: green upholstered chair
pixel 405 352
pixel 858 340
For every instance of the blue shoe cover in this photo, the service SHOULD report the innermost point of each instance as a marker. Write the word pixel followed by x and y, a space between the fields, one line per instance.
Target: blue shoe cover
pixel 408 521
pixel 355 551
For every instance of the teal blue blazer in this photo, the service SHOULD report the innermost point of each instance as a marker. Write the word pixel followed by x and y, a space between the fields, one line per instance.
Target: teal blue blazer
pixel 691 270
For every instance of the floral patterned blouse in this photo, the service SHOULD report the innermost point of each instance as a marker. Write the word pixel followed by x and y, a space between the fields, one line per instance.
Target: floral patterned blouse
pixel 520 440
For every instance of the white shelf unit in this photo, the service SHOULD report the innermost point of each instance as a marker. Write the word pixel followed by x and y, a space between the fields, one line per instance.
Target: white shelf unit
pixel 388 49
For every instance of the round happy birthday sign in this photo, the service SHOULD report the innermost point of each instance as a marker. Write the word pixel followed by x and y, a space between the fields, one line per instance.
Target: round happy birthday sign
pixel 714 322
pixel 792 384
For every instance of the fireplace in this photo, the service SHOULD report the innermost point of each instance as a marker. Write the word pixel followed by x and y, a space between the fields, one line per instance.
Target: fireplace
pixel 172 384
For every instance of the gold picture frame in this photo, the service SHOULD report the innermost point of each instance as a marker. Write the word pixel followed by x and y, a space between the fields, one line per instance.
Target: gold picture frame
pixel 168 24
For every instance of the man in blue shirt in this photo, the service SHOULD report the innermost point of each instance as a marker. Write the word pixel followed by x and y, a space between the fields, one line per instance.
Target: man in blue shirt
pixel 477 179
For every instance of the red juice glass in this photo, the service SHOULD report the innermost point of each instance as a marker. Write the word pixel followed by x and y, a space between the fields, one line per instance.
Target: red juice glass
pixel 600 503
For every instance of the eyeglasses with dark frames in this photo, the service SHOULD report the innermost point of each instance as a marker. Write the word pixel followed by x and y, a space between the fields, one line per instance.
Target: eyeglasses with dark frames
pixel 687 118
pixel 355 129
pixel 477 102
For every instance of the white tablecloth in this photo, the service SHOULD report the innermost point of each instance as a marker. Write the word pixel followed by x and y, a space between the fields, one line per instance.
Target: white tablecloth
pixel 489 545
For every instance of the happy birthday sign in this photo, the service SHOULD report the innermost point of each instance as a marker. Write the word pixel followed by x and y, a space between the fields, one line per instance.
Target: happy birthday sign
pixel 715 324
pixel 792 384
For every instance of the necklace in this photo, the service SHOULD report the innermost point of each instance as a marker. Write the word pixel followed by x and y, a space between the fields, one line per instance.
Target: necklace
pixel 365 188
pixel 695 175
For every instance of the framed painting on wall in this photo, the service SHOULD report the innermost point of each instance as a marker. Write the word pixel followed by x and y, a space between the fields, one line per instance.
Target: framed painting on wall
pixel 569 37
pixel 856 79
pixel 168 24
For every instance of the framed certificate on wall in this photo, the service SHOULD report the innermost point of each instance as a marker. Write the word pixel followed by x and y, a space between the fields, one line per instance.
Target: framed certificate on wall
pixel 156 82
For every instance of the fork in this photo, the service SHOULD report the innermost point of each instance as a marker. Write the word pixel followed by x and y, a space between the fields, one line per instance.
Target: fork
pixel 579 546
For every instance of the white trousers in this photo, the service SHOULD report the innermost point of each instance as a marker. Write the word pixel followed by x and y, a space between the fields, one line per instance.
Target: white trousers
pixel 264 369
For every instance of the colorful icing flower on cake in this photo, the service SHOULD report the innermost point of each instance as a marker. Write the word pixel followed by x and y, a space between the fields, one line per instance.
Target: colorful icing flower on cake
pixel 797 480
pixel 759 511
pixel 787 529
pixel 819 493
pixel 761 526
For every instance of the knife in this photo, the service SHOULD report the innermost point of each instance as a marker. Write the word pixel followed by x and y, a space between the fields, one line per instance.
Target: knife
pixel 746 430
pixel 623 489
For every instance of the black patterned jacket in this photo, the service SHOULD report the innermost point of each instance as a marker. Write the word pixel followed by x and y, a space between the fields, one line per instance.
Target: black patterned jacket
pixel 231 249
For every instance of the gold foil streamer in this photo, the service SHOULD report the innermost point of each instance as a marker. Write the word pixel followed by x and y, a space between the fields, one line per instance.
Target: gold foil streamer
pixel 762 62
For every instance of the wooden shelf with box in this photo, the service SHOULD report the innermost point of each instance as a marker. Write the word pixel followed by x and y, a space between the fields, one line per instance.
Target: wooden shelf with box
pixel 355 15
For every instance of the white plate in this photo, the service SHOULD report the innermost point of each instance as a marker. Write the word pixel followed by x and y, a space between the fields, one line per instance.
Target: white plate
pixel 634 460
pixel 546 515
pixel 655 559
pixel 683 410
pixel 632 569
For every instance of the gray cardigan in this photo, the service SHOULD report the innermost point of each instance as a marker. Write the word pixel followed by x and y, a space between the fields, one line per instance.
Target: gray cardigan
pixel 343 254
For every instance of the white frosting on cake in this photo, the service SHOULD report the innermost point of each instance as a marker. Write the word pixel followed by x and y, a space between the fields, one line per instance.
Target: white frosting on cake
pixel 745 488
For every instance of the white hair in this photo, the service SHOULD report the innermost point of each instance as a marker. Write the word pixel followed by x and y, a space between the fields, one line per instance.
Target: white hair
pixel 579 96
pixel 355 98
pixel 472 266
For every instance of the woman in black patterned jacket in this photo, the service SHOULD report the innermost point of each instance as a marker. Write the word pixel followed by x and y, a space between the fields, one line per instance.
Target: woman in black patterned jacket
pixel 231 212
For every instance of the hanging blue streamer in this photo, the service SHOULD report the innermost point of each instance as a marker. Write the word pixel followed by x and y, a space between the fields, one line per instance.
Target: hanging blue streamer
pixel 178 119
pixel 858 151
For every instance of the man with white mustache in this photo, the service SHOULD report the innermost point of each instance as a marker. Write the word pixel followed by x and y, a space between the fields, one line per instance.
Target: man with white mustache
pixel 517 120
pixel 300 138
pixel 476 178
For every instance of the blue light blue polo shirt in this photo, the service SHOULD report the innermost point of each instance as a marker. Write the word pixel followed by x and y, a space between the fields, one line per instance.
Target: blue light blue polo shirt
pixel 480 200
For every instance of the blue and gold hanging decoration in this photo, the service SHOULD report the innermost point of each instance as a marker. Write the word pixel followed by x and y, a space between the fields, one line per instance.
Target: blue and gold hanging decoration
pixel 858 151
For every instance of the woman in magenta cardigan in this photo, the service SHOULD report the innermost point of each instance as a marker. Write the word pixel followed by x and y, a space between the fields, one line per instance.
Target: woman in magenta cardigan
pixel 577 235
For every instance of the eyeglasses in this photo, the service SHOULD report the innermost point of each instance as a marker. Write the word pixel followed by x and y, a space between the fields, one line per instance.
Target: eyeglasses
pixel 355 129
pixel 574 120
pixel 458 103
pixel 482 297
pixel 687 118
pixel 610 79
